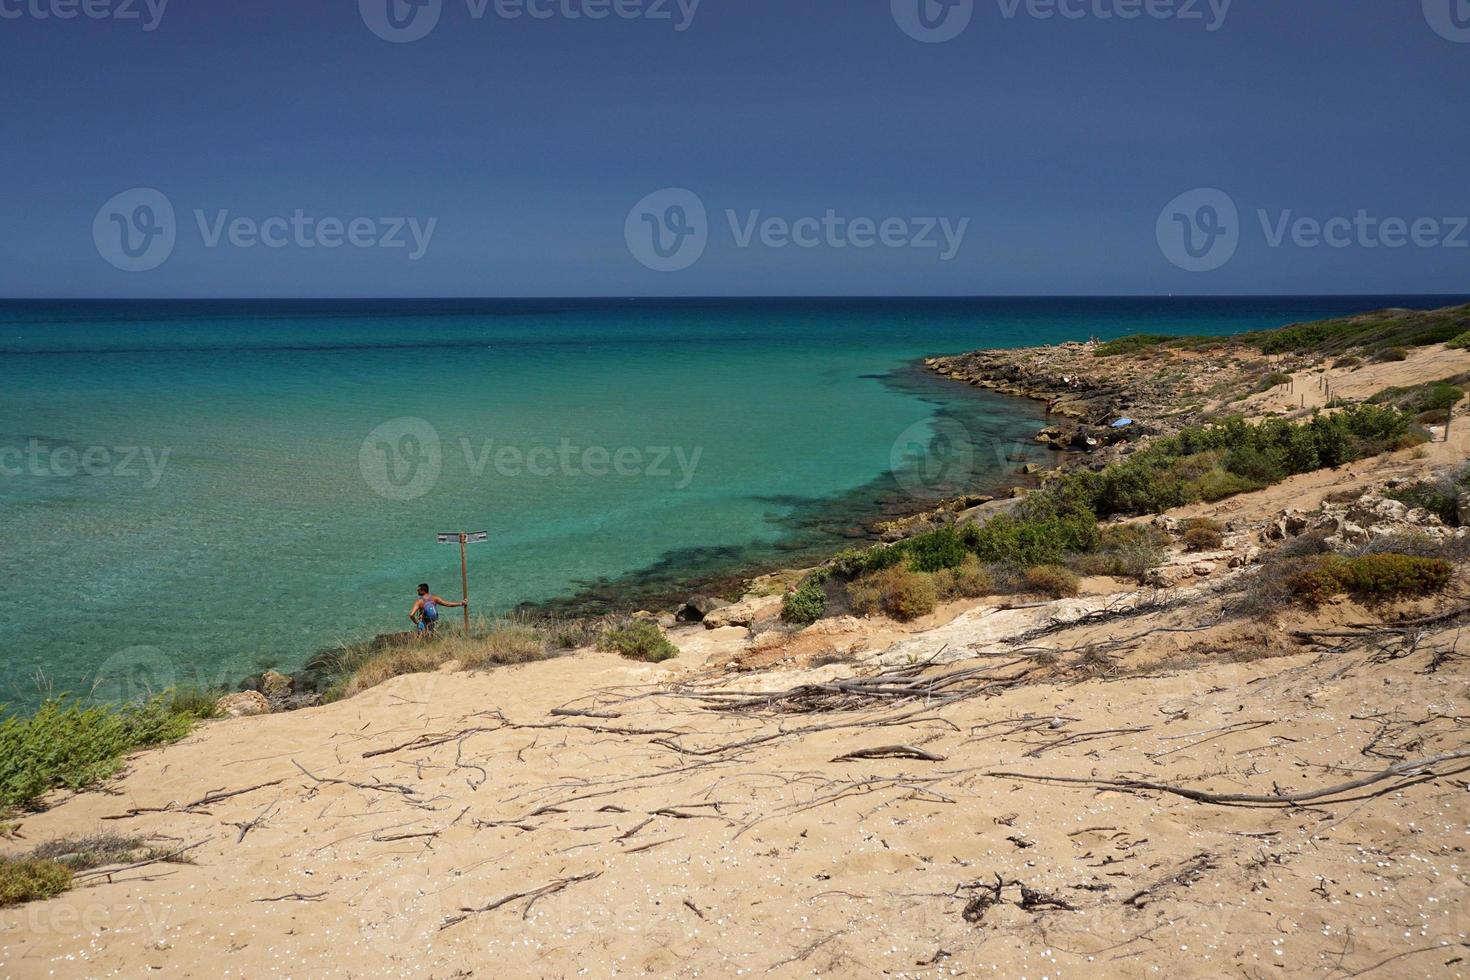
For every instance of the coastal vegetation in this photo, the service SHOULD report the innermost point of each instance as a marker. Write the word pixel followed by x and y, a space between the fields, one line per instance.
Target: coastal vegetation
pixel 28 879
pixel 1429 403
pixel 1379 333
pixel 1369 577
pixel 1211 462
pixel 805 604
pixel 1202 534
pixel 67 744
pixel 638 640
pixel 496 644
pixel 50 869
pixel 1054 534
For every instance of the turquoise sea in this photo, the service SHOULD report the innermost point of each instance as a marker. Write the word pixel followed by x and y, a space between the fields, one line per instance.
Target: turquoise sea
pixel 215 487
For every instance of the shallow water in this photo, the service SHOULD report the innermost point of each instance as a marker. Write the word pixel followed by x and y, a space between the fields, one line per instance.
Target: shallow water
pixel 206 489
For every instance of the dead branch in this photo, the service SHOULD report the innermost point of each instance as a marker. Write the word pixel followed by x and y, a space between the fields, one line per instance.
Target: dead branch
pixel 891 752
pixel 577 713
pixel 109 872
pixel 430 741
pixel 214 796
pixel 295 897
pixel 1402 769
pixel 533 895
pixel 379 787
pixel 1192 870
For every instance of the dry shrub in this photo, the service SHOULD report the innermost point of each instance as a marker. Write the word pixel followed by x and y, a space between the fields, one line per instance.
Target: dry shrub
pixel 505 645
pixel 970 581
pixel 1203 534
pixel 1053 580
pixel 899 592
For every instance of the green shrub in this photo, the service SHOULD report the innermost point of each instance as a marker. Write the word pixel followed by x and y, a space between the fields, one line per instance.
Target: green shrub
pixel 855 563
pixel 1373 576
pixel 1389 354
pixel 1052 580
pixel 1350 361
pixel 1211 462
pixel 1132 344
pixel 931 551
pixel 1434 396
pixel 1462 342
pixel 1047 526
pixel 805 604
pixel 27 880
pixel 1385 328
pixel 1203 534
pixel 65 744
pixel 638 640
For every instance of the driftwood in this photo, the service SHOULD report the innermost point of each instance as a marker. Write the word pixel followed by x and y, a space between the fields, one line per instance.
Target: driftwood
pixel 533 895
pixel 1411 768
pixel 214 796
pixel 891 752
pixel 107 873
pixel 1192 871
pixel 379 787
pixel 578 713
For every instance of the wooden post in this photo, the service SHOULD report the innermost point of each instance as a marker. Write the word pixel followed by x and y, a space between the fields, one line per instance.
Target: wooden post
pixel 464 580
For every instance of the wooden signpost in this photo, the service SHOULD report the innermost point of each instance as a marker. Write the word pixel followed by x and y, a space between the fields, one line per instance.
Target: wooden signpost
pixel 464 538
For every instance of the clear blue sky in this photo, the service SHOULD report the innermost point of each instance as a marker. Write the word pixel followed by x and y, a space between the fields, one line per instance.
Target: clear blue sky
pixel 529 140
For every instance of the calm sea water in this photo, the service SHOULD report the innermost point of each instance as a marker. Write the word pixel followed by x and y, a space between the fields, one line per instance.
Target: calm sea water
pixel 204 489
